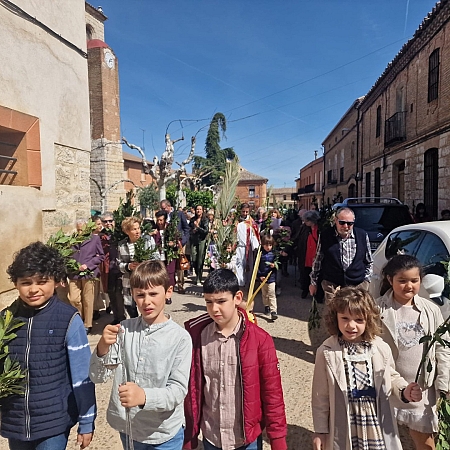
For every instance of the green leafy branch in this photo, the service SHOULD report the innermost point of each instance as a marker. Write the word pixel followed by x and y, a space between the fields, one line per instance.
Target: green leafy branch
pixel 142 251
pixel 314 315
pixel 429 340
pixel 65 244
pixel 12 377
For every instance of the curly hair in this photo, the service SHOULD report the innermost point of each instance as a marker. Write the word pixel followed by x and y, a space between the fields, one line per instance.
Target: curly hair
pixel 128 222
pixel 37 259
pixel 357 302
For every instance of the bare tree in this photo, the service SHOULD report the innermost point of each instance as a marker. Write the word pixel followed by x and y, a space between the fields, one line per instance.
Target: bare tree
pixel 161 170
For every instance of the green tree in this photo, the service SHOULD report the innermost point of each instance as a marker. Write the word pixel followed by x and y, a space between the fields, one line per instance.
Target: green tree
pixel 148 197
pixel 194 198
pixel 212 168
pixel 172 194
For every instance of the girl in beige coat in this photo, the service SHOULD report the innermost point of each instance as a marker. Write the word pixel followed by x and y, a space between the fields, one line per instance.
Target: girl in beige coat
pixel 354 376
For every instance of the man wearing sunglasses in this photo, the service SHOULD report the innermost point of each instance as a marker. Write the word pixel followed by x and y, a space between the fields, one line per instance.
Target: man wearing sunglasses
pixel 343 256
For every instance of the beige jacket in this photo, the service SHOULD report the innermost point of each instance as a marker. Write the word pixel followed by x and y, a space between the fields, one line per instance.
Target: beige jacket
pixel 330 406
pixel 438 358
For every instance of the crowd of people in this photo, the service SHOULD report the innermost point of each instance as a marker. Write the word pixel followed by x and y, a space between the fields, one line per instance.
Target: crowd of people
pixel 219 376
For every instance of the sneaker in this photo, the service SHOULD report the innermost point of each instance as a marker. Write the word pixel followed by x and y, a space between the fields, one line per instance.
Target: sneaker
pixel 199 283
pixel 181 290
pixel 168 301
pixel 274 315
pixel 267 310
pixel 88 330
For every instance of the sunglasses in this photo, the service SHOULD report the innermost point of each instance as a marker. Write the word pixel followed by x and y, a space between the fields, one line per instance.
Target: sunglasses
pixel 108 221
pixel 344 222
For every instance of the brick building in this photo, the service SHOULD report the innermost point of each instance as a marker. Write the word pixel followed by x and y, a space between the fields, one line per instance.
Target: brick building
pixel 309 185
pixel 283 196
pixel 341 158
pixel 405 120
pixel 251 189
pixel 107 166
pixel 132 168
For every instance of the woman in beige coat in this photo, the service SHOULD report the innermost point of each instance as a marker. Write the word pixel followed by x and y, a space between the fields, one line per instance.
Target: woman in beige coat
pixel 340 402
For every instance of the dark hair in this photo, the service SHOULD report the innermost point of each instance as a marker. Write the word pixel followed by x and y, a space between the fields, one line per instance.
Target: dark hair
pixel 311 216
pixel 37 259
pixel 245 205
pixel 221 280
pixel 358 302
pixel 396 264
pixel 161 213
pixel 150 273
pixel 267 239
pixel 420 206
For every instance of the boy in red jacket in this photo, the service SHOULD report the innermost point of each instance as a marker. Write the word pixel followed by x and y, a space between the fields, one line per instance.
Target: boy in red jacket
pixel 235 385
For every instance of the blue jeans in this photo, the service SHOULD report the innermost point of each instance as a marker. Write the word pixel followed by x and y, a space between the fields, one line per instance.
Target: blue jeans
pixel 255 445
pixel 58 442
pixel 176 443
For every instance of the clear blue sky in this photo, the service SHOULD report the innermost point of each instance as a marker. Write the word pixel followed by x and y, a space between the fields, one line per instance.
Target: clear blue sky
pixel 294 66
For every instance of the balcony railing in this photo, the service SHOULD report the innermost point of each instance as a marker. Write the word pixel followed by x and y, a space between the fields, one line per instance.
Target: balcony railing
pixel 395 129
pixel 309 188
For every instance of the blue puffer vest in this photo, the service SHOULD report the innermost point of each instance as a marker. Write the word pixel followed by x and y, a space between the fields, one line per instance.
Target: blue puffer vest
pixel 332 269
pixel 48 406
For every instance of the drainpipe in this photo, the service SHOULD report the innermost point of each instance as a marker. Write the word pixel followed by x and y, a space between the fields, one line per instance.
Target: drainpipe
pixel 357 173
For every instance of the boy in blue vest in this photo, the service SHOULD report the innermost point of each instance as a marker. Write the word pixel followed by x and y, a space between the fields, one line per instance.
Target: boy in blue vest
pixel 53 349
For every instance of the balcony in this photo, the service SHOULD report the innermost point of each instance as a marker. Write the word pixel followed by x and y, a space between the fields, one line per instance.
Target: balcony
pixel 395 129
pixel 332 177
pixel 301 191
pixel 309 188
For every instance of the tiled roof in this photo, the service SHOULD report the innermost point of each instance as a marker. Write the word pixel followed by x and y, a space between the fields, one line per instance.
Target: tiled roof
pixel 286 190
pixel 245 175
pixel 130 157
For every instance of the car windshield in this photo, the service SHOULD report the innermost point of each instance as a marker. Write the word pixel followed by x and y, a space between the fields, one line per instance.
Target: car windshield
pixel 383 218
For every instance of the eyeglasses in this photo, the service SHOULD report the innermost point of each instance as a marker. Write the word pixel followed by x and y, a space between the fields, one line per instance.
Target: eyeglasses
pixel 344 222
pixel 108 221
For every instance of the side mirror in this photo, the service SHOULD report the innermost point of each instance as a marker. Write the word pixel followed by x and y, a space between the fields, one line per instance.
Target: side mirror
pixel 434 286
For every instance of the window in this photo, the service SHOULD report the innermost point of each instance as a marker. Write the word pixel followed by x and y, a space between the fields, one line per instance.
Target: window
pixel 341 175
pixel 368 185
pixel 378 128
pixel 432 251
pixel 251 191
pixel 433 76
pixel 377 180
pixel 20 151
pixel 430 182
pixel 402 243
pixel 284 197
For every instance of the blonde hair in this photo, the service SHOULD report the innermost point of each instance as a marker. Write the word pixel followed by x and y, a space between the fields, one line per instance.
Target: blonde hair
pixel 357 302
pixel 128 222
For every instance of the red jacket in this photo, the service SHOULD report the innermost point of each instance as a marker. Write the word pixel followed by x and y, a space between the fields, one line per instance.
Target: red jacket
pixel 263 405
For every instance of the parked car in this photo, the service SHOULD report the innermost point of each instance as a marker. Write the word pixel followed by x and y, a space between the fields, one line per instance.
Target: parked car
pixel 377 216
pixel 429 242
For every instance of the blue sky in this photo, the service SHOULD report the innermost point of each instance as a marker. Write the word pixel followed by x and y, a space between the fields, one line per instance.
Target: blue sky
pixel 282 71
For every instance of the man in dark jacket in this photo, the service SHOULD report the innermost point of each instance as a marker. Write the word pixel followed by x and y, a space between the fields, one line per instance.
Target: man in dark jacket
pixel 183 228
pixel 343 256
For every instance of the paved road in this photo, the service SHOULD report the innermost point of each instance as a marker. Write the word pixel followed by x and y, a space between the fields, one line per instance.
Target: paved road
pixel 295 347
